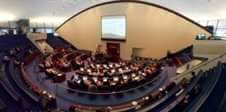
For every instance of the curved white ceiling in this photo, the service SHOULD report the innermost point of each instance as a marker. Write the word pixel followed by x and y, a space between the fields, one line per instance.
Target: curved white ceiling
pixel 57 11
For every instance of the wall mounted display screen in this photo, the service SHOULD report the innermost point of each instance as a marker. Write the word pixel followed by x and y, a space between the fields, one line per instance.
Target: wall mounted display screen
pixel 113 27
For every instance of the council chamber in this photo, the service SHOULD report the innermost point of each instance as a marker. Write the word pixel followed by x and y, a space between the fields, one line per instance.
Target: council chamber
pixel 113 56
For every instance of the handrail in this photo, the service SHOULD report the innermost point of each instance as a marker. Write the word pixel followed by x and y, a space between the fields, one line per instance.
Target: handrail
pixel 21 87
pixel 23 76
pixel 169 95
pixel 9 88
pixel 203 98
pixel 191 86
pixel 186 73
pixel 181 96
pixel 201 65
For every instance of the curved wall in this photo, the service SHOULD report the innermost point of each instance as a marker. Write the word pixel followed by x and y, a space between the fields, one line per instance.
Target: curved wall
pixel 153 30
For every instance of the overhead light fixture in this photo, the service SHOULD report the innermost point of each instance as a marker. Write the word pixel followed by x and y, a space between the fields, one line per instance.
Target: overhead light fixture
pixel 6 17
pixel 48 20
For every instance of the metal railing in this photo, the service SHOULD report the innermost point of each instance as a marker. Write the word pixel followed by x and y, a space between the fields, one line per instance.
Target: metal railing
pixel 212 62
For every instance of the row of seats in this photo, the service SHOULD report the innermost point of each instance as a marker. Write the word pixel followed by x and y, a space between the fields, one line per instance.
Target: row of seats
pixel 23 103
pixel 189 91
pixel 193 98
pixel 13 41
pixel 14 76
pixel 48 100
pixel 216 98
pixel 11 95
pixel 56 41
pixel 5 83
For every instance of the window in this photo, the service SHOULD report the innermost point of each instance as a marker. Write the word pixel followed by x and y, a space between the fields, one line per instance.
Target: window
pixel 221 32
pixel 49 30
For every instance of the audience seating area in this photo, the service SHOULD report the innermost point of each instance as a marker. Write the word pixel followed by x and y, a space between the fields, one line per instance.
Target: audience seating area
pixel 17 96
pixel 89 73
pixel 20 94
pixel 196 96
pixel 216 97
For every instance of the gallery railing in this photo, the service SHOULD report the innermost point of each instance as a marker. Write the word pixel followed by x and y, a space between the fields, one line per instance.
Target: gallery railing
pixel 205 66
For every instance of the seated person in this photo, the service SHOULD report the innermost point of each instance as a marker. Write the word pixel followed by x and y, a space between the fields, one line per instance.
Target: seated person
pixel 12 52
pixel 6 58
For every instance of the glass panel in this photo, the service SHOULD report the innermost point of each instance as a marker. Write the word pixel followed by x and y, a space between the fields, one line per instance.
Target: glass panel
pixel 40 30
pixel 5 31
pixel 222 24
pixel 49 30
pixel 32 25
pixel 221 32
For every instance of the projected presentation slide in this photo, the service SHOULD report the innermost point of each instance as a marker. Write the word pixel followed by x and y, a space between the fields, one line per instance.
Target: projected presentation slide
pixel 114 27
